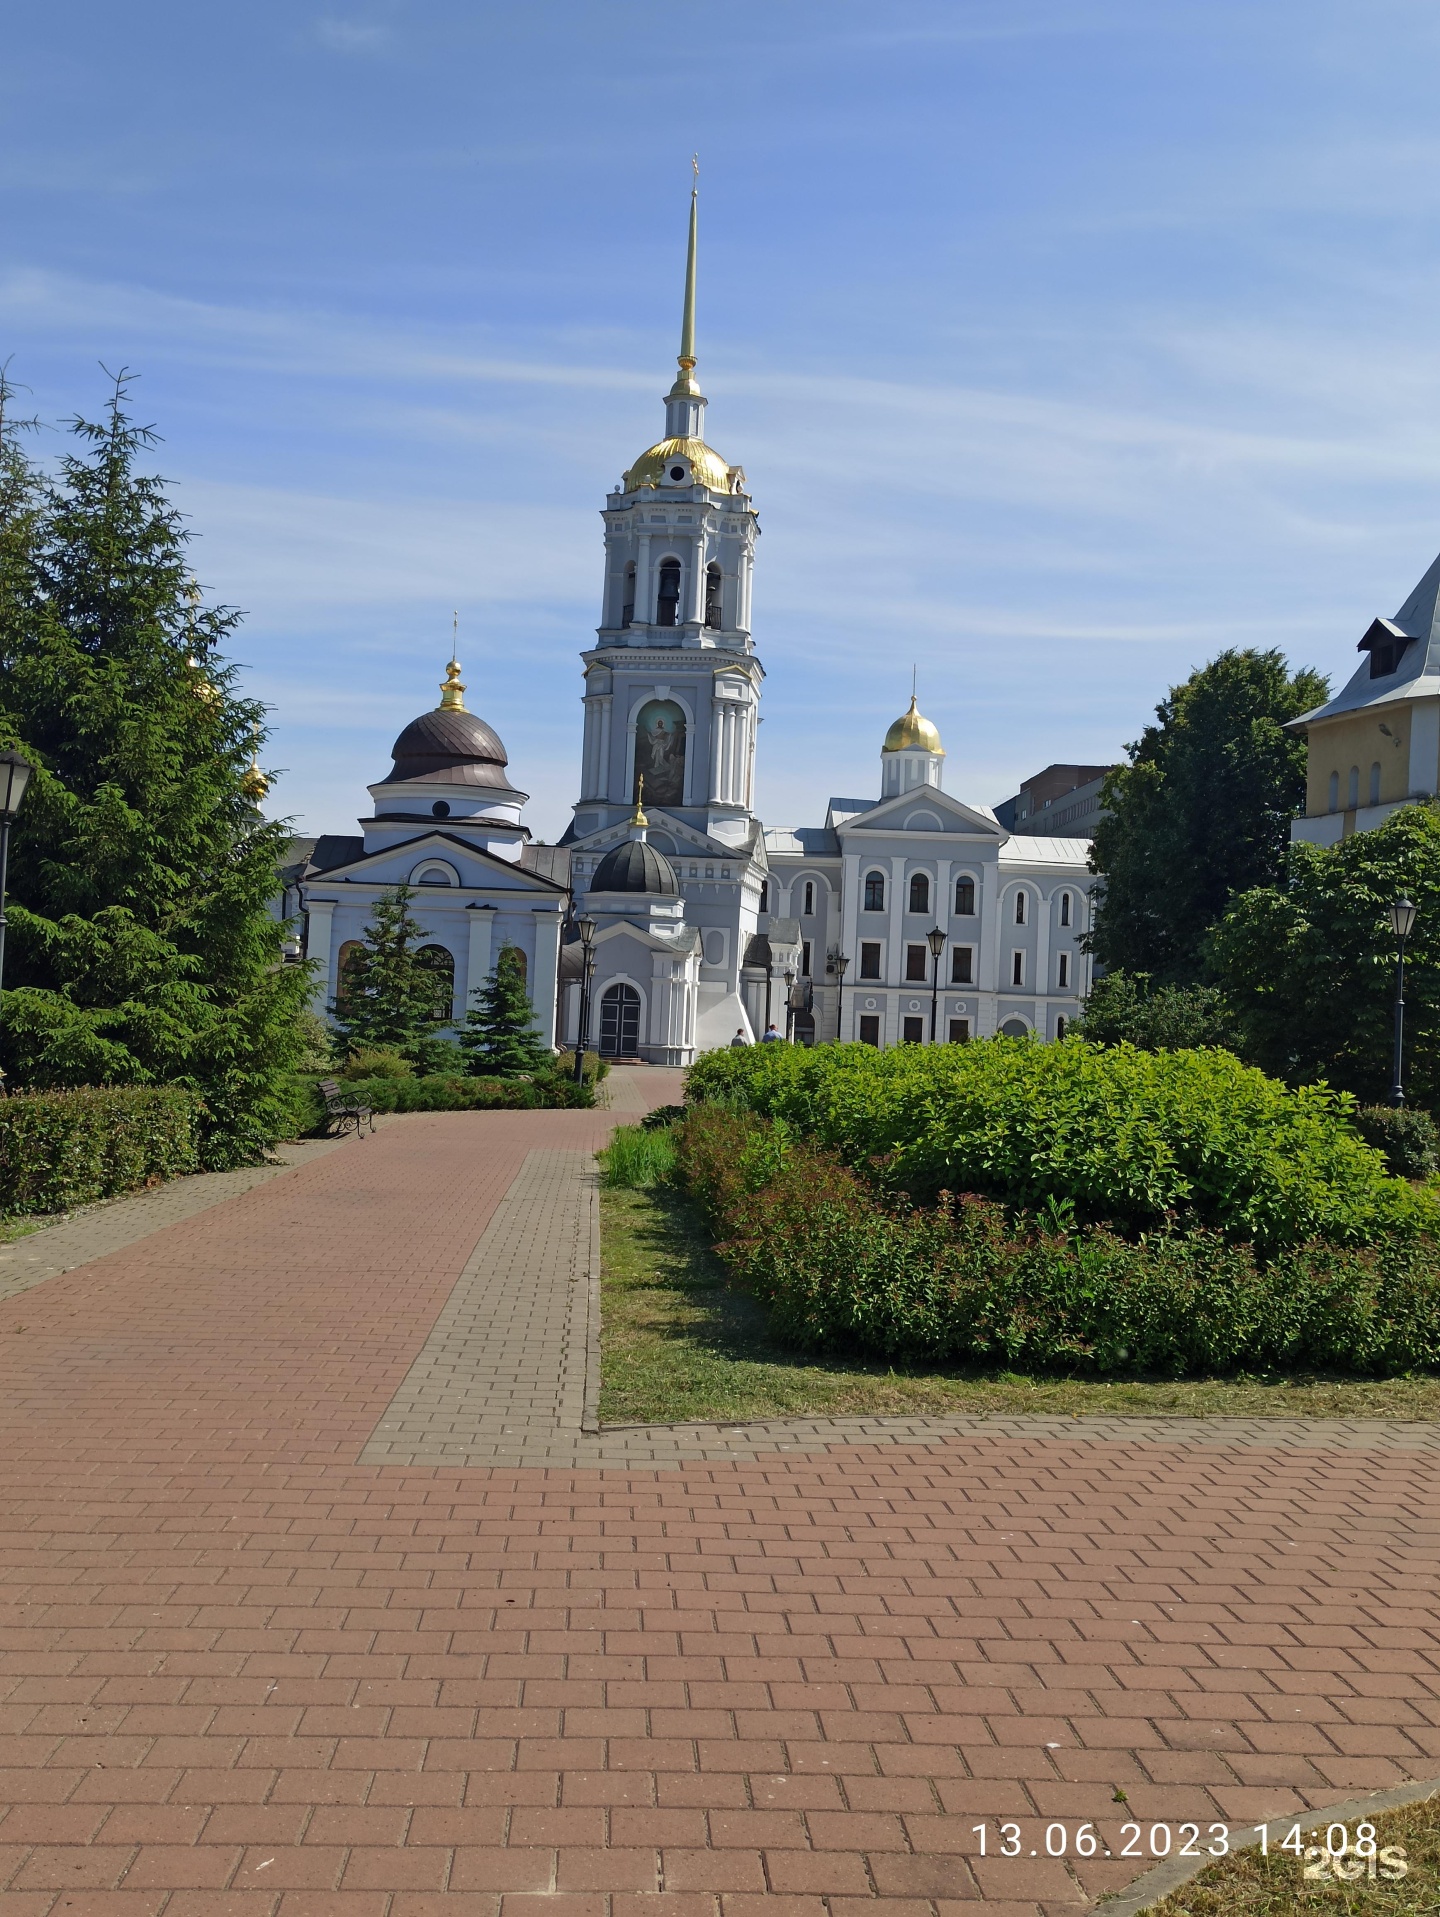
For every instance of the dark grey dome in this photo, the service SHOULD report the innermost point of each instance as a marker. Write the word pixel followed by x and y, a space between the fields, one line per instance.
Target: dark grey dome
pixel 452 746
pixel 636 867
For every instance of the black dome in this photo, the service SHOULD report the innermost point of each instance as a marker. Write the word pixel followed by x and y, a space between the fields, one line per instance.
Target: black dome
pixel 636 867
pixel 450 745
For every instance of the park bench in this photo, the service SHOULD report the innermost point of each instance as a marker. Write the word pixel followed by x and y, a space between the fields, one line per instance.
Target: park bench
pixel 341 1110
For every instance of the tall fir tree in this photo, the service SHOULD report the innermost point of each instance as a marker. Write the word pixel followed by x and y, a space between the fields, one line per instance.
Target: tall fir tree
pixel 392 992
pixel 142 947
pixel 1201 812
pixel 499 1034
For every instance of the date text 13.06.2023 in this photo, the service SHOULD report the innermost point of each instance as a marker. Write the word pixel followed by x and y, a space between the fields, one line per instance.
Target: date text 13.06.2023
pixel 1333 1849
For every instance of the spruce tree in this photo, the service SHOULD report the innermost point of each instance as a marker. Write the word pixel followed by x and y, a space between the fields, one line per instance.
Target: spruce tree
pixel 142 949
pixel 392 993
pixel 499 1034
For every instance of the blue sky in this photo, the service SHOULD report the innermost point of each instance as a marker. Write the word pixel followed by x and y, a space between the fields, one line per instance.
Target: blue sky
pixel 1062 344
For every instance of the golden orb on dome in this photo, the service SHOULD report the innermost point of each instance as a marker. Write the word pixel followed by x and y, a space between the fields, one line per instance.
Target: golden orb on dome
pixel 913 732
pixel 681 462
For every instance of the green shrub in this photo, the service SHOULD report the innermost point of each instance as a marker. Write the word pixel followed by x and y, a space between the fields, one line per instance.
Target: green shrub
pixel 964 1283
pixel 445 1094
pixel 1407 1138
pixel 61 1149
pixel 1143 1141
pixel 637 1157
pixel 377 1061
pixel 302 1109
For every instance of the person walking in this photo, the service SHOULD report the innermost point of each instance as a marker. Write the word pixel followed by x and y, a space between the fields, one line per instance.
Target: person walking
pixel 772 1037
pixel 739 1038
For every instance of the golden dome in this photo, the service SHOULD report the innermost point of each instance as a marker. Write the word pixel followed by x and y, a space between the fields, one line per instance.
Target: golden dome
pixel 913 732
pixel 706 467
pixel 253 782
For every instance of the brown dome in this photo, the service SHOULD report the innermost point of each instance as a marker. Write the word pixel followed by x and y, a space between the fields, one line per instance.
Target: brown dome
pixel 449 746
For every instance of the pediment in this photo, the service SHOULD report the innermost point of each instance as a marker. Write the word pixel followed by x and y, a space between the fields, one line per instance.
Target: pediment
pixel 390 864
pixel 925 809
pixel 694 842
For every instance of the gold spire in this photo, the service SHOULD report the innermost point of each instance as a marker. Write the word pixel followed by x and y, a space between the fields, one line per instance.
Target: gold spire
pixel 452 693
pixel 685 379
pixel 639 818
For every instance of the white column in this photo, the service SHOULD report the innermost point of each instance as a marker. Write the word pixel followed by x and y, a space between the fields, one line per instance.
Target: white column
pixel 1424 748
pixel 697 591
pixel 644 611
pixel 545 972
pixel 319 914
pixel 751 724
pixel 895 951
pixel 717 731
pixel 602 782
pixel 477 959
pixel 589 751
pixel 1044 984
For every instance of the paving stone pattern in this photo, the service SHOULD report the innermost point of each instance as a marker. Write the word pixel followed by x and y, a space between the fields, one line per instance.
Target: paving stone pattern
pixel 242 1671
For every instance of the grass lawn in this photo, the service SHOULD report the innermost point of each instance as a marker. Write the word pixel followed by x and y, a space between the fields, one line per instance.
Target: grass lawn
pixel 678 1344
pixel 1249 1885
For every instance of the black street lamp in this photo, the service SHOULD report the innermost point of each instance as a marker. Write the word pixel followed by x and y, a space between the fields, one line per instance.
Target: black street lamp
pixel 586 928
pixel 14 777
pixel 789 1003
pixel 1402 919
pixel 841 963
pixel 769 975
pixel 935 939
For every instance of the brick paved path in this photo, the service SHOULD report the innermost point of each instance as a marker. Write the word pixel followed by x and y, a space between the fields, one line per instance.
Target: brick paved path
pixel 242 1671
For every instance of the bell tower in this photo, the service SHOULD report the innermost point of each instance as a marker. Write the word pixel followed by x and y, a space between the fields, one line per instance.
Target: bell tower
pixel 672 686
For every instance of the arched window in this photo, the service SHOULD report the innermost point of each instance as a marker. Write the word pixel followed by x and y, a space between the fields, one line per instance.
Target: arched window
pixel 1019 908
pixel 764 895
pixel 1353 798
pixel 627 606
pixel 434 872
pixel 1060 1026
pixel 1334 791
pixel 1064 908
pixel 667 601
pixel 1375 783
pixel 619 1022
pixel 809 899
pixel 440 964
pixel 1014 1028
pixel 874 891
pixel 342 966
pixel 964 898
pixel 919 892
pixel 712 595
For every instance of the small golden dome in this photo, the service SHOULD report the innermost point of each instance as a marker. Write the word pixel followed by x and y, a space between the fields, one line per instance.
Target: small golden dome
pixel 253 782
pixel 702 466
pixel 913 732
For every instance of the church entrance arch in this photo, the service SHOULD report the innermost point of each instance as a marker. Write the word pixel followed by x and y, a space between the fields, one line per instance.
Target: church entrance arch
pixel 620 1022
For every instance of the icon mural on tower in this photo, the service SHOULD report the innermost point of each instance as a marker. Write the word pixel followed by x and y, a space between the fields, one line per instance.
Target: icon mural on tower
pixel 660 752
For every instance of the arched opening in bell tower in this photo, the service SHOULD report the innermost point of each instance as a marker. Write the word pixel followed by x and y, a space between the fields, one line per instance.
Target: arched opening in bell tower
pixel 713 594
pixel 667 601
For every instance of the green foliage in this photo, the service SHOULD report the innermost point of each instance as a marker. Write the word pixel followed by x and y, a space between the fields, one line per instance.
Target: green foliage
pixel 546 1093
pixel 394 992
pixel 141 948
pixel 1201 812
pixel 377 1061
pixel 1140 1140
pixel 638 1157
pixel 1407 1138
pixel 965 1283
pixel 61 1149
pixel 1129 1009
pixel 499 1035
pixel 1308 967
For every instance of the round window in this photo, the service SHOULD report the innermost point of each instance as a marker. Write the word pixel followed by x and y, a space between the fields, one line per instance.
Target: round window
pixel 440 810
pixel 677 472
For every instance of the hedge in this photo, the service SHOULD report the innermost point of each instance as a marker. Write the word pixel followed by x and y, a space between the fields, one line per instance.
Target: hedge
pixel 447 1094
pixel 62 1149
pixel 1142 1141
pixel 967 1284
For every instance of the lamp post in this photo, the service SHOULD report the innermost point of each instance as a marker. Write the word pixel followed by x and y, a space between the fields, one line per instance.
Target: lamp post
pixel 935 939
pixel 840 962
pixel 769 975
pixel 789 1003
pixel 14 777
pixel 1402 919
pixel 586 928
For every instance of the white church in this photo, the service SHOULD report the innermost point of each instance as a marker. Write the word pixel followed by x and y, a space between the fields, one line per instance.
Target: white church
pixel 668 917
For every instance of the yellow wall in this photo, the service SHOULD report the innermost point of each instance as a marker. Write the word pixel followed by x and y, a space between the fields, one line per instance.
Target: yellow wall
pixel 1355 738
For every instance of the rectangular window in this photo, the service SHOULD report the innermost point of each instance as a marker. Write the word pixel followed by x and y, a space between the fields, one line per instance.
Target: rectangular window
pixel 959 1031
pixel 914 1032
pixel 962 964
pixel 1064 971
pixel 1017 967
pixel 805 958
pixel 1019 908
pixel 869 1029
pixel 764 893
pixel 1064 908
pixel 915 956
pixel 964 898
pixel 869 960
